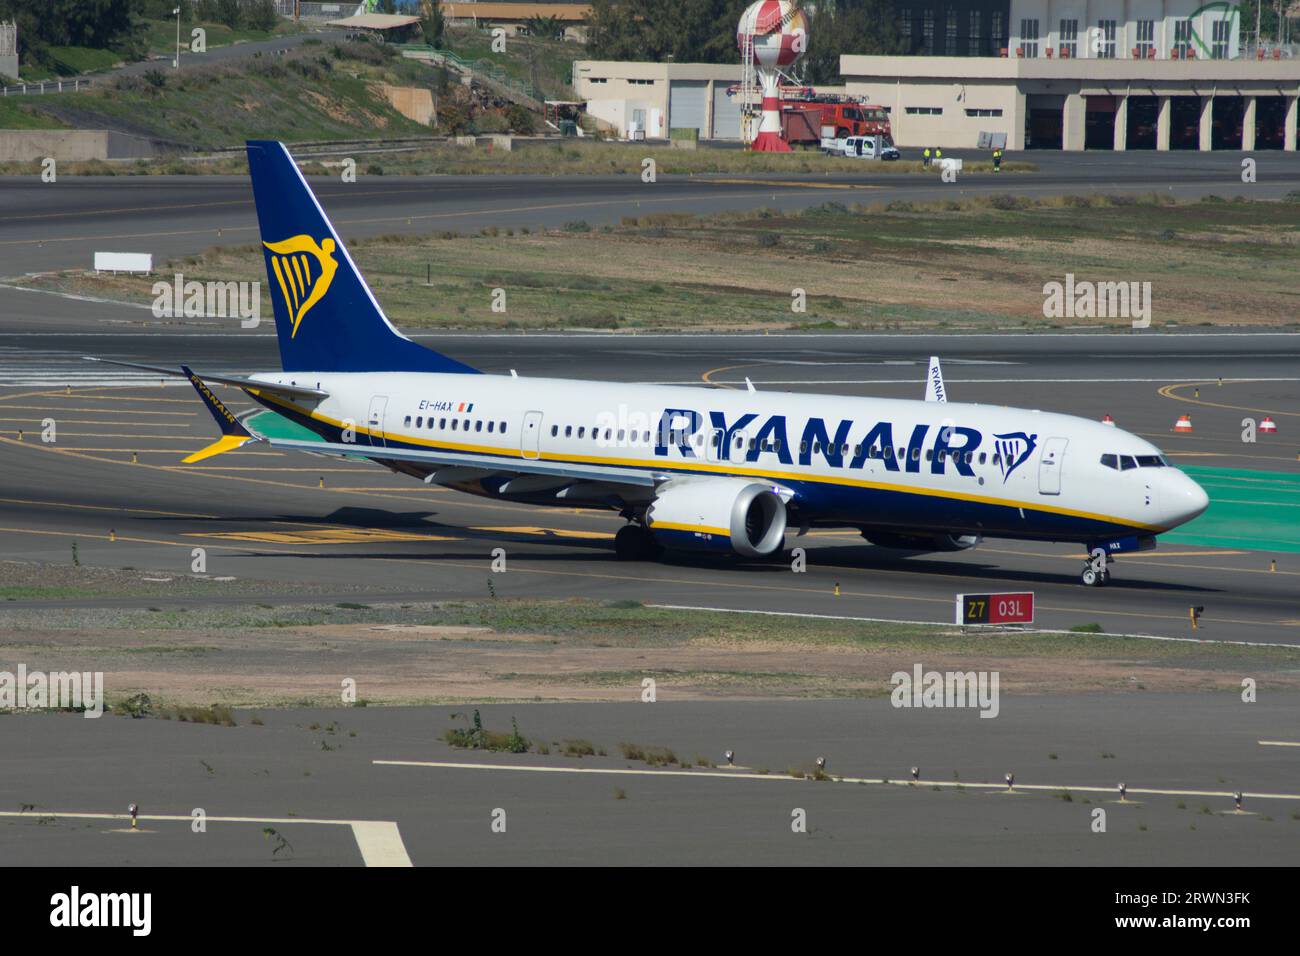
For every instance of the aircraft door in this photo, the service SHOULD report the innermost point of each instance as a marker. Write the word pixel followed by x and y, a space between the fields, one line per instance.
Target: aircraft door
pixel 530 438
pixel 1050 465
pixel 375 420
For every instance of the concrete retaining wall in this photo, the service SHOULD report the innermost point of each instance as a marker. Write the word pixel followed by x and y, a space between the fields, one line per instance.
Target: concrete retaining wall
pixel 73 145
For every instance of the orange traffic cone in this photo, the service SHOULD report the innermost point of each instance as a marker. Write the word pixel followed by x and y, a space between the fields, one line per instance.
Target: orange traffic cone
pixel 1184 423
pixel 1268 426
pixel 1107 420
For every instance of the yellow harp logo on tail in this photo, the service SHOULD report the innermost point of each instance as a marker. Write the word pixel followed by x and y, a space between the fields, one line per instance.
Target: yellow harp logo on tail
pixel 304 271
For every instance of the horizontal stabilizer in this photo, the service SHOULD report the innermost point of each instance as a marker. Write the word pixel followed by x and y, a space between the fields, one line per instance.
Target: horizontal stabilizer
pixel 248 384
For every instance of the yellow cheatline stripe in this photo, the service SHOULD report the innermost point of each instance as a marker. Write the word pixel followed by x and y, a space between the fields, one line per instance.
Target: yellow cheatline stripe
pixel 746 775
pixel 705 468
pixel 701 529
pixel 1168 392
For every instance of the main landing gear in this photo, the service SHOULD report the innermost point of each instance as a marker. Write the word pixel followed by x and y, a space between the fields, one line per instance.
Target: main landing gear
pixel 1095 571
pixel 634 542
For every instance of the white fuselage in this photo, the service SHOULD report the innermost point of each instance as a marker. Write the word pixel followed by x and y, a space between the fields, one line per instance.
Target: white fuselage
pixel 861 462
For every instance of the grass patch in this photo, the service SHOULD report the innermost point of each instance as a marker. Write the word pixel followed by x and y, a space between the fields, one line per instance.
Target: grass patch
pixel 943 267
pixel 474 736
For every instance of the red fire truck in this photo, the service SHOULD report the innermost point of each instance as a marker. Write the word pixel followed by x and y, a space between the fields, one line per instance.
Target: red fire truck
pixel 802 120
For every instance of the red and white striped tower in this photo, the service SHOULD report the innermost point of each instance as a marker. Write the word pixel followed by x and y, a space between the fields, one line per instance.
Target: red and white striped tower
pixel 772 35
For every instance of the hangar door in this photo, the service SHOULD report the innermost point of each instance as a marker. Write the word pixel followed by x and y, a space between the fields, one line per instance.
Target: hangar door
pixel 687 100
pixel 726 112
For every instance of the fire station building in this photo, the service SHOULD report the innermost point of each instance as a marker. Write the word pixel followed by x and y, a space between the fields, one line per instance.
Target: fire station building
pixel 1082 74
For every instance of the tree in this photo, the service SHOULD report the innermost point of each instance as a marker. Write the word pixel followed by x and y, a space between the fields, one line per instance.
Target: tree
pixel 261 15
pixel 849 27
pixel 686 31
pixel 432 25
pixel 704 31
pixel 545 28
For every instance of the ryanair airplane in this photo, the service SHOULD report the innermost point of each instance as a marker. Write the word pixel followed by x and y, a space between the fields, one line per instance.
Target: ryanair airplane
pixel 689 468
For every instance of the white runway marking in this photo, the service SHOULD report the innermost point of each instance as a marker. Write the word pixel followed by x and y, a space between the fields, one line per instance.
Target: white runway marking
pixel 743 775
pixel 1279 743
pixel 379 841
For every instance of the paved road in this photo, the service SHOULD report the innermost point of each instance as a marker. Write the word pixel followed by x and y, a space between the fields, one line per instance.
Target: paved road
pixel 292 770
pixel 61 225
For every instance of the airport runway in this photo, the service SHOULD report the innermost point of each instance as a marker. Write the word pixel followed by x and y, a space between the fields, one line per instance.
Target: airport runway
pixel 375 785
pixel 389 794
pixel 61 225
pixel 264 514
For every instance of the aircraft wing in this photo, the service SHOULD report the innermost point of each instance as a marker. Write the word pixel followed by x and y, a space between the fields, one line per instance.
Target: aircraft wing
pixel 461 466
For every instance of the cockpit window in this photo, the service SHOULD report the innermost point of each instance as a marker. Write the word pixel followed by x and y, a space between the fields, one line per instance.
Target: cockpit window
pixel 1125 462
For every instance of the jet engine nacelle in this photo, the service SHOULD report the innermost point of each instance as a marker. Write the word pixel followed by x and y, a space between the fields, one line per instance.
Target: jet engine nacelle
pixel 718 514
pixel 922 542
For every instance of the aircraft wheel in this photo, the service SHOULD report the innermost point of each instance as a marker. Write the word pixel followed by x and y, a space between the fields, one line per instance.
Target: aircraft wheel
pixel 634 542
pixel 1091 578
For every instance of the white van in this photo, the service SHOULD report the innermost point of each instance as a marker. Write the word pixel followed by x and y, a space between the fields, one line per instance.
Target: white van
pixel 864 147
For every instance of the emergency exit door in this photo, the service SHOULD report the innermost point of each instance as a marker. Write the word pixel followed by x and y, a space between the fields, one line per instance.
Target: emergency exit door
pixel 1049 466
pixel 375 420
pixel 531 436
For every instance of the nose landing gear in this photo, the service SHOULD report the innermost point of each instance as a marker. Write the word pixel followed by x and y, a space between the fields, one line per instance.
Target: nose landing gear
pixel 1095 571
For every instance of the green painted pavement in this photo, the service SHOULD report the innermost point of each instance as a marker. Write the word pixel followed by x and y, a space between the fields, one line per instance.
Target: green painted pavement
pixel 268 424
pixel 1250 510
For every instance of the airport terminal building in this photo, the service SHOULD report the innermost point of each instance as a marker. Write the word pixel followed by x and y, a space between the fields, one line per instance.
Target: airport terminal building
pixel 1076 74
pixel 1035 74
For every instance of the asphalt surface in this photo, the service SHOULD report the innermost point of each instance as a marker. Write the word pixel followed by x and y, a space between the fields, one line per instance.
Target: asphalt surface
pixel 61 225
pixel 263 514
pixel 114 470
pixel 1182 757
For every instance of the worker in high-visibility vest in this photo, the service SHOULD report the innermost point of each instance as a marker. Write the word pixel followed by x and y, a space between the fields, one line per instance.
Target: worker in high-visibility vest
pixel 938 153
pixel 997 160
pixel 925 158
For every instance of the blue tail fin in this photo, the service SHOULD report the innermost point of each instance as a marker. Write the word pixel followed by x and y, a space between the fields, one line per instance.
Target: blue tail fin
pixel 326 317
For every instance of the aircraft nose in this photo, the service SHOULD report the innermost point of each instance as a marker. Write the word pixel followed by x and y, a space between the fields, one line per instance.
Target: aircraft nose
pixel 1182 499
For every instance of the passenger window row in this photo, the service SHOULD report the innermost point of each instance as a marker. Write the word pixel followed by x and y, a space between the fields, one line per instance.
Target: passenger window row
pixel 608 435
pixel 456 424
